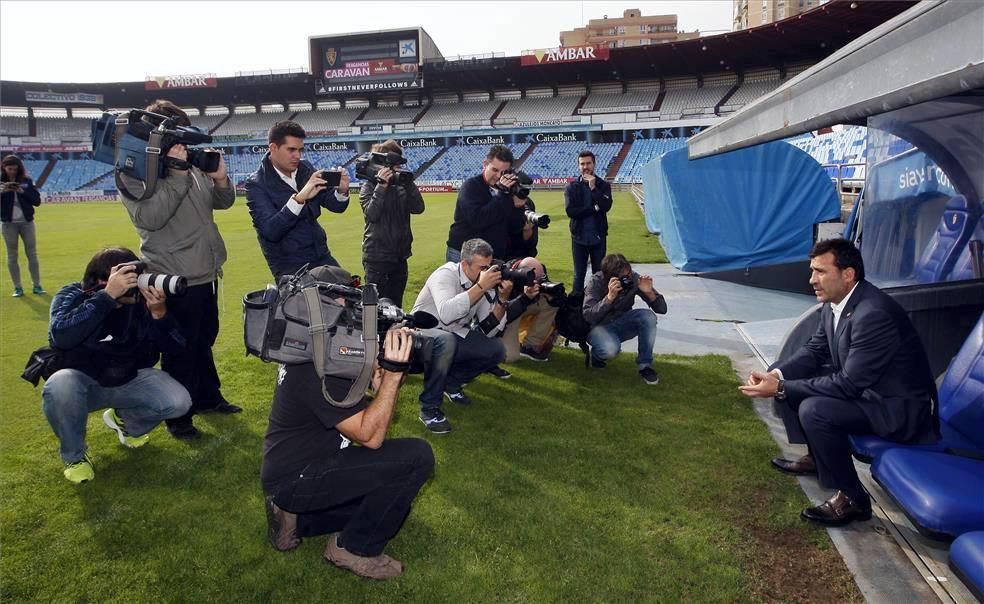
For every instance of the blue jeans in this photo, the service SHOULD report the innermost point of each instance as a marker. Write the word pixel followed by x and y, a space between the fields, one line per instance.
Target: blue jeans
pixel 581 253
pixel 453 255
pixel 606 340
pixel 456 360
pixel 69 396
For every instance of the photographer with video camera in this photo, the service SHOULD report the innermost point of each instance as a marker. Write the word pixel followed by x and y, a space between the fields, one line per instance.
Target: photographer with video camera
pixel 488 207
pixel 608 307
pixel 470 300
pixel 285 197
pixel 316 482
pixel 178 236
pixel 388 197
pixel 587 201
pixel 110 337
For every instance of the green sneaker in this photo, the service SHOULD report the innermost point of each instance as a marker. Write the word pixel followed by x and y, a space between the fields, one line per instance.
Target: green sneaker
pixel 38 290
pixel 18 292
pixel 80 471
pixel 113 422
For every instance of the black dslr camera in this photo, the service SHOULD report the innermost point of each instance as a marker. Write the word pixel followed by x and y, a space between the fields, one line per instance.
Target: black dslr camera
pixel 553 289
pixel 521 188
pixel 368 166
pixel 172 285
pixel 627 282
pixel 520 277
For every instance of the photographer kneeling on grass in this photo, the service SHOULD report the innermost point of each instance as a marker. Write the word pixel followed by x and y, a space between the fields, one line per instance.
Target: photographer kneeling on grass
pixel 608 301
pixel 110 338
pixel 461 294
pixel 317 483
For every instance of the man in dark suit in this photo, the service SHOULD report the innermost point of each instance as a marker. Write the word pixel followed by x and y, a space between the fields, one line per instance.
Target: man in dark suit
pixel 863 371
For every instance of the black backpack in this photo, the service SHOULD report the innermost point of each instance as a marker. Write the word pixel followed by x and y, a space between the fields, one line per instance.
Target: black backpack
pixel 571 324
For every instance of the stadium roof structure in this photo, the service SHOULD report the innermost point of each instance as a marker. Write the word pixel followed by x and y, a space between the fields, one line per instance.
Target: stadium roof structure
pixel 805 38
pixel 933 50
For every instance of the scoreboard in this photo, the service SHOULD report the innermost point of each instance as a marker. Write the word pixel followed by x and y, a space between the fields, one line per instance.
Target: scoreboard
pixel 370 62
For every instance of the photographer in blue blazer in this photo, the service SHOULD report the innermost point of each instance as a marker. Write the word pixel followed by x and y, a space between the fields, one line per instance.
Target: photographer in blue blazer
pixel 285 196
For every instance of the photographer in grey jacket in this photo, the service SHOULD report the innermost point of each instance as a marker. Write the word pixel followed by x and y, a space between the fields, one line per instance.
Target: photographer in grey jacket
pixel 609 299
pixel 178 236
pixel 386 243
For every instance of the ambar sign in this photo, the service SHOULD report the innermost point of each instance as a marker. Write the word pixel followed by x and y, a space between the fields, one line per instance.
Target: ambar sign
pixel 568 54
pixel 203 80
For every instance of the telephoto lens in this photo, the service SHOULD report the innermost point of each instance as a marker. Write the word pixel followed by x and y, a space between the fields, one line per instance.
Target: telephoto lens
pixel 171 285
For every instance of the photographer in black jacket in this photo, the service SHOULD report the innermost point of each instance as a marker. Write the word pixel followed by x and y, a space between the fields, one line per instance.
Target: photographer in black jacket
pixel 387 237
pixel 485 209
pixel 110 338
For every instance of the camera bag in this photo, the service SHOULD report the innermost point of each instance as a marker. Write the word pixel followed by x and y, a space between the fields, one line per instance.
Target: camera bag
pixel 301 322
pixel 42 363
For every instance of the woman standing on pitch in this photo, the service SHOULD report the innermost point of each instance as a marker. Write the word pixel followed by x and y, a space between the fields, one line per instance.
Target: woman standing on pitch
pixel 18 197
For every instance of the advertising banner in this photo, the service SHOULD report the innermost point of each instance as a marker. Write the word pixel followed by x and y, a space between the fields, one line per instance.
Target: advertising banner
pixel 44 149
pixel 80 197
pixel 326 87
pixel 202 80
pixel 436 188
pixel 562 180
pixel 568 54
pixel 59 97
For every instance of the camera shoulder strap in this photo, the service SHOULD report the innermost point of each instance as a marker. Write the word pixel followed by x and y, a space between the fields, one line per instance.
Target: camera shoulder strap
pixel 319 330
pixel 153 156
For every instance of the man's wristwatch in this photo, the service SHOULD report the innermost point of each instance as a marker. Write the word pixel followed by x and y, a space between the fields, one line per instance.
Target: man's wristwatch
pixel 781 391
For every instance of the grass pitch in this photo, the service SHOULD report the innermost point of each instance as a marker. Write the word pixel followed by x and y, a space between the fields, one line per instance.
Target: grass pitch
pixel 557 485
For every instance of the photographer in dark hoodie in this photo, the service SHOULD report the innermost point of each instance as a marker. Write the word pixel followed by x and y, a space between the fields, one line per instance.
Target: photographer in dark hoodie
pixel 110 339
pixel 386 242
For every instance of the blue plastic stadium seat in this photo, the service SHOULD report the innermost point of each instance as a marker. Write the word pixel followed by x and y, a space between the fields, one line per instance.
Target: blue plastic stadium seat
pixel 967 561
pixel 957 223
pixel 942 494
pixel 964 267
pixel 961 406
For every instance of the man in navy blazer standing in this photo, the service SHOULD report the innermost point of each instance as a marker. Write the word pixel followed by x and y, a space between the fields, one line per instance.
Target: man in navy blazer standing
pixel 864 371
pixel 285 196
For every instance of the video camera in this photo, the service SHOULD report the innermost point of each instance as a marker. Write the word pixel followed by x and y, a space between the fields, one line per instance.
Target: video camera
pixel 521 188
pixel 312 316
pixel 134 143
pixel 368 165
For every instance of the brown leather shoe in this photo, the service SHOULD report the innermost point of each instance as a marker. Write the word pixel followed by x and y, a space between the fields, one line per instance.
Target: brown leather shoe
pixel 380 567
pixel 802 466
pixel 836 511
pixel 281 527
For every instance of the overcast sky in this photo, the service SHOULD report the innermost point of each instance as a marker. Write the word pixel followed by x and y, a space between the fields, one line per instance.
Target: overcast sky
pixel 83 41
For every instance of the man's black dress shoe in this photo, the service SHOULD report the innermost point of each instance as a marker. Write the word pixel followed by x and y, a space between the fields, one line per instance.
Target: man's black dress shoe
pixel 224 407
pixel 800 467
pixel 183 430
pixel 836 511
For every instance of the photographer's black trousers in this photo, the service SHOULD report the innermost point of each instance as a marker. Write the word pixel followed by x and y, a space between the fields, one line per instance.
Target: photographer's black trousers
pixel 364 493
pixel 390 279
pixel 197 315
